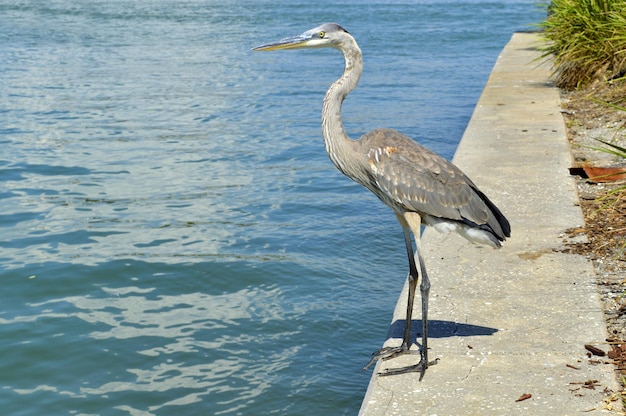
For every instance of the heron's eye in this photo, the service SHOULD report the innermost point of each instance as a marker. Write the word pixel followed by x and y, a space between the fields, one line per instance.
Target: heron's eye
pixel 322 34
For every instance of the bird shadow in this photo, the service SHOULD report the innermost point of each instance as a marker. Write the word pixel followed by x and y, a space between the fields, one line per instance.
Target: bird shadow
pixel 439 329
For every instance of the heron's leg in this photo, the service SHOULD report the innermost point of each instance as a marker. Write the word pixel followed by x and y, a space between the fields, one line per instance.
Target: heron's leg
pixel 424 291
pixel 405 348
pixel 413 279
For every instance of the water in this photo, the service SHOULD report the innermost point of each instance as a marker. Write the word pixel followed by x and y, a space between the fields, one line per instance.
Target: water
pixel 174 238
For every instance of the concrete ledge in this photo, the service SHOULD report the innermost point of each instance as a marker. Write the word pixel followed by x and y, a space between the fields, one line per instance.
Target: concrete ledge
pixel 513 321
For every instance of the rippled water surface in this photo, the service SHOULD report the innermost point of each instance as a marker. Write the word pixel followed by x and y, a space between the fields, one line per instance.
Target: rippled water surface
pixel 174 239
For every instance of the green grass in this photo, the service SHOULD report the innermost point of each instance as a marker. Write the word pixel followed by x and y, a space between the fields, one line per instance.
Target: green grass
pixel 587 40
pixel 611 149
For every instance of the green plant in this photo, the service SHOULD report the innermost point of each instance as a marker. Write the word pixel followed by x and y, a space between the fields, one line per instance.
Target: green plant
pixel 587 39
pixel 612 149
pixel 614 106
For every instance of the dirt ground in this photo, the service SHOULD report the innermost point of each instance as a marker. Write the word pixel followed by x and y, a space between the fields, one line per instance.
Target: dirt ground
pixel 603 205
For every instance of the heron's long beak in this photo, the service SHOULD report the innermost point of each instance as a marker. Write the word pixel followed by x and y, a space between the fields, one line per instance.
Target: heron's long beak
pixel 294 42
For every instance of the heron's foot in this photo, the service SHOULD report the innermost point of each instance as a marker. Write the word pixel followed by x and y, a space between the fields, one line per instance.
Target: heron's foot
pixel 387 353
pixel 417 368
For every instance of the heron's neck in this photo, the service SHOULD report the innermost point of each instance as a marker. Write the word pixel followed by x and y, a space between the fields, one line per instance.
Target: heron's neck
pixel 338 144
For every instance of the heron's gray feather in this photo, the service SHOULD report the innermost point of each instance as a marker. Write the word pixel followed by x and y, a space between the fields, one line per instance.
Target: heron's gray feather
pixel 413 178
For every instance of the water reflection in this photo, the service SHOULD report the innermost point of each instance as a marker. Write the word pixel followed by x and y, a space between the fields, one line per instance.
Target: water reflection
pixel 186 348
pixel 85 216
pixel 146 149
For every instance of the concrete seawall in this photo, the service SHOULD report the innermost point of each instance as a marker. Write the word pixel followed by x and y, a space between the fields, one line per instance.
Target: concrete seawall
pixel 514 321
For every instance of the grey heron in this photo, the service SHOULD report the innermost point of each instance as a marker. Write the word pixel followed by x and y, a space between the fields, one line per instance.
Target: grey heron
pixel 421 187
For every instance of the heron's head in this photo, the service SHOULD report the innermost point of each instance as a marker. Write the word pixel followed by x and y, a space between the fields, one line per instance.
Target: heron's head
pixel 323 36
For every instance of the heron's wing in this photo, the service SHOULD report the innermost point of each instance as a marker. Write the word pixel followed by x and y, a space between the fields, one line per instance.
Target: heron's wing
pixel 412 177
